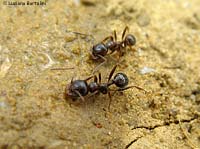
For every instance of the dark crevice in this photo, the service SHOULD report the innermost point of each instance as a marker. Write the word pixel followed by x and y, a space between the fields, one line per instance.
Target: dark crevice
pixel 128 145
pixel 196 92
pixel 160 125
pixel 167 123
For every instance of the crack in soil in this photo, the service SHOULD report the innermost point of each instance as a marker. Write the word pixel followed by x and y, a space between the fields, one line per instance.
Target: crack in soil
pixel 160 125
pixel 128 145
pixel 167 123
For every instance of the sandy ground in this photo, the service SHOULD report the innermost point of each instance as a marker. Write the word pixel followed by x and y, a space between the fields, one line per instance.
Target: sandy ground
pixel 165 62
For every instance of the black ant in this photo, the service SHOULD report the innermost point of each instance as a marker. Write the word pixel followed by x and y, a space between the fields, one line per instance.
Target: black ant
pixel 101 49
pixel 110 43
pixel 80 88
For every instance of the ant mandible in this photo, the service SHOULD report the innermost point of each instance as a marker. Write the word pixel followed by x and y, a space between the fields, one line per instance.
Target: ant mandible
pixel 100 50
pixel 80 88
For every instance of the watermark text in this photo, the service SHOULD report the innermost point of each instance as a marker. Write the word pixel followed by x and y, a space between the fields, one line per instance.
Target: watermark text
pixel 24 3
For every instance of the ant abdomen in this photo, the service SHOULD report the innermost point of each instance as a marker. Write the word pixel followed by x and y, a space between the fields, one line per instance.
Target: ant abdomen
pixel 120 80
pixel 130 40
pixel 99 50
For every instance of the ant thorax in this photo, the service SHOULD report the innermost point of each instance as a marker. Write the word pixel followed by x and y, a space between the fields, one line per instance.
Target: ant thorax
pixel 103 88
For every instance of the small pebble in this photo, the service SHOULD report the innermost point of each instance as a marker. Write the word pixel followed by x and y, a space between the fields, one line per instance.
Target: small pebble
pixel 143 19
pixel 2 104
pixel 77 2
pixel 146 70
pixel 193 97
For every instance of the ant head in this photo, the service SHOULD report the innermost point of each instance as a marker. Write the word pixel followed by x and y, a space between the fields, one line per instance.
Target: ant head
pixel 130 40
pixel 99 49
pixel 77 86
pixel 120 80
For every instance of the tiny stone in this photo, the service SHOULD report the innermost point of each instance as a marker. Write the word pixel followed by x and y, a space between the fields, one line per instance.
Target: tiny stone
pixel 143 19
pixel 193 97
pixel 2 104
pixel 146 70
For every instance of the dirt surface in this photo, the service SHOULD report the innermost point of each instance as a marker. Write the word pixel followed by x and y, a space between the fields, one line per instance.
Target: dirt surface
pixel 165 62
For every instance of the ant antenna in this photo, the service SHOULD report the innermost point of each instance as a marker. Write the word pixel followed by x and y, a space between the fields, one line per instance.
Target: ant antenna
pixel 97 67
pixel 128 87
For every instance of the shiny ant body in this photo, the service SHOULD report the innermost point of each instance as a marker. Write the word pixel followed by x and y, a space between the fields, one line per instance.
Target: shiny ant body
pixel 102 48
pixel 81 88
pixel 110 43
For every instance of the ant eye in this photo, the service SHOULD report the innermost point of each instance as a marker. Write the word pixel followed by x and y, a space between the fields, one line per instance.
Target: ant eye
pixel 130 40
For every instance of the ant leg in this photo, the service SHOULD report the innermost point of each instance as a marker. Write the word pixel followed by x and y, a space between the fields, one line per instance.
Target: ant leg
pixel 124 32
pixel 89 78
pixel 104 61
pixel 100 78
pixel 92 94
pixel 82 98
pixel 109 37
pixel 111 52
pixel 112 72
pixel 121 53
pixel 110 97
pixel 122 89
pixel 78 33
pixel 72 80
pixel 62 68
pixel 83 34
pixel 92 56
pixel 131 48
pixel 120 56
pixel 115 35
pixel 95 79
